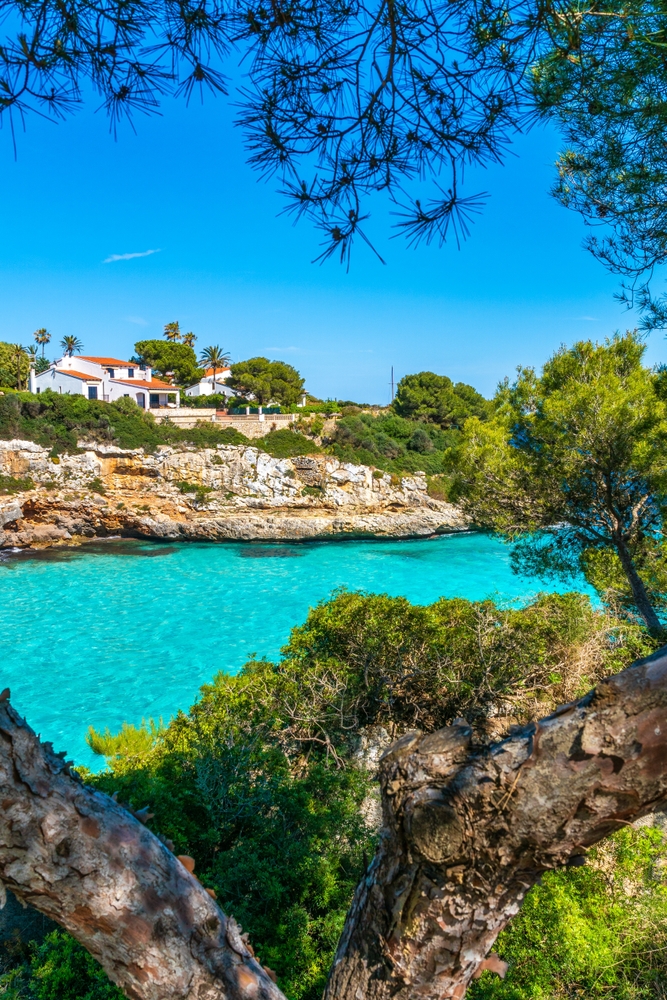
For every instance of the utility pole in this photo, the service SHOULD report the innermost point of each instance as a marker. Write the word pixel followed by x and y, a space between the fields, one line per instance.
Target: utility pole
pixel 392 383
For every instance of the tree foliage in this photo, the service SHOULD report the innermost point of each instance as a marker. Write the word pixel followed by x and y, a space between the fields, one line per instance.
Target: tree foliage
pixel 266 381
pixel 10 369
pixel 603 81
pixel 393 443
pixel 573 464
pixel 599 931
pixel 339 100
pixel 427 396
pixel 169 357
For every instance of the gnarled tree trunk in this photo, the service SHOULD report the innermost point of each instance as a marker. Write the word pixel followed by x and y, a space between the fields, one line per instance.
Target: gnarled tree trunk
pixel 467 831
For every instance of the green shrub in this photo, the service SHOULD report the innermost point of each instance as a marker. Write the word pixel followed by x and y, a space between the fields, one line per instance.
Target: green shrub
pixel 286 444
pixel 597 931
pixel 63 970
pixel 261 781
pixel 58 421
pixel 394 443
pixel 97 486
pixel 12 484
pixel 57 969
pixel 201 492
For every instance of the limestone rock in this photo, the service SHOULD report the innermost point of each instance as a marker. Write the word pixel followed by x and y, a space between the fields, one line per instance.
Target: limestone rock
pixel 246 495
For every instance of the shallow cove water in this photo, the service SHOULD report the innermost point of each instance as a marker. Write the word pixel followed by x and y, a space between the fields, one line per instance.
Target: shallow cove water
pixel 122 631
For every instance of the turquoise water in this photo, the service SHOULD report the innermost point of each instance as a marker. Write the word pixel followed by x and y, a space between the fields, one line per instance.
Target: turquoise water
pixel 125 631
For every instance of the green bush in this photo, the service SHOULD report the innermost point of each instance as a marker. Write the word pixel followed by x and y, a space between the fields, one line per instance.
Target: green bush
pixel 201 493
pixel 286 444
pixel 58 969
pixel 58 421
pixel 261 781
pixel 263 784
pixel 13 484
pixel 597 931
pixel 394 443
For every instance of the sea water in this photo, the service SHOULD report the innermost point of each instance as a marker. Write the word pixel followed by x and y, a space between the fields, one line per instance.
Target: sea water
pixel 125 631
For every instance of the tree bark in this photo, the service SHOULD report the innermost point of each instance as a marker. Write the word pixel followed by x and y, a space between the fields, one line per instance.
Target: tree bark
pixel 638 589
pixel 89 864
pixel 467 831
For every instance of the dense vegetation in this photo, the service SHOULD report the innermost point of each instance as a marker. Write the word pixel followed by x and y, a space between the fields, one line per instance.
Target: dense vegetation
pixel 393 443
pixel 266 381
pixel 169 358
pixel 59 421
pixel 598 932
pixel 12 365
pixel 419 432
pixel 266 783
pixel 572 469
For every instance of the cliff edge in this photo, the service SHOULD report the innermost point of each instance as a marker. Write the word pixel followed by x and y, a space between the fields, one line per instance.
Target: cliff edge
pixel 231 492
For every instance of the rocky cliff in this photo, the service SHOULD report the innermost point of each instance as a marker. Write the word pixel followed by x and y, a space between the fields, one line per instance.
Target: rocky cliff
pixel 232 492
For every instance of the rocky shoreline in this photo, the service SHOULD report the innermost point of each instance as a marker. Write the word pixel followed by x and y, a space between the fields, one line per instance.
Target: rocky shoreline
pixel 228 493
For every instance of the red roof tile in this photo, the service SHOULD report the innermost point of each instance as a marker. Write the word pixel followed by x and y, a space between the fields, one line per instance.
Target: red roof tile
pixel 70 371
pixel 153 384
pixel 108 361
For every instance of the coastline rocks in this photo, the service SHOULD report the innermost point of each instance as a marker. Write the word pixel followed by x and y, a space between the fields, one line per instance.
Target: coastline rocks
pixel 232 492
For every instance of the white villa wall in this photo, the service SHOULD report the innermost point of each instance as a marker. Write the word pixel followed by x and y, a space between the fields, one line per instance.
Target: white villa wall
pixel 79 365
pixel 59 381
pixel 206 387
pixel 109 389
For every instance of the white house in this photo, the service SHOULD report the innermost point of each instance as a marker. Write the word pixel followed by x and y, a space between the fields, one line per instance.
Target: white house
pixel 210 384
pixel 108 379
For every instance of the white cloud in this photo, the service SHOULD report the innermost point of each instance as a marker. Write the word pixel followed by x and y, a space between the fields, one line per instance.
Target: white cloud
pixel 137 320
pixel 588 319
pixel 281 349
pixel 127 256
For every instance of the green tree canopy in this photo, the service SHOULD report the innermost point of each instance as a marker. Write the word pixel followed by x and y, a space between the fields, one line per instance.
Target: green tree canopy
pixel 603 82
pixel 11 366
pixel 427 396
pixel 266 381
pixel 164 356
pixel 574 464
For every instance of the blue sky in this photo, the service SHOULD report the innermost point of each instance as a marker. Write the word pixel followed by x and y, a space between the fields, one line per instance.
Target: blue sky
pixel 237 274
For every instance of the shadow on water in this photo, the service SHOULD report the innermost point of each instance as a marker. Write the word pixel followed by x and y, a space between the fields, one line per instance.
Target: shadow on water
pixel 271 552
pixel 117 547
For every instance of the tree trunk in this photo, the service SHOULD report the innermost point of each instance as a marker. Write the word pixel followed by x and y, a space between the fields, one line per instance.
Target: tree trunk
pixel 467 831
pixel 89 864
pixel 639 594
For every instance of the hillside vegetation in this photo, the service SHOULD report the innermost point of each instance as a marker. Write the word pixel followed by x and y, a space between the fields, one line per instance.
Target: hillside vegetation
pixel 58 421
pixel 385 441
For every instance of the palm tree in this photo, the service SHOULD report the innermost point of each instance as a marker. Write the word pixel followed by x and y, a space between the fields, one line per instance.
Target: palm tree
pixel 189 339
pixel 18 354
pixel 42 336
pixel 172 331
pixel 71 345
pixel 215 358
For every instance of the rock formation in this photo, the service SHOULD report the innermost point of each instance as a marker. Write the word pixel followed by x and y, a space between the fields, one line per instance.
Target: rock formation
pixel 232 492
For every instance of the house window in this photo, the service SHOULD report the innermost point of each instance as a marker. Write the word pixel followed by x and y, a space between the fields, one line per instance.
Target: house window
pixel 126 395
pixel 111 372
pixel 141 400
pixel 155 400
pixel 38 389
pixel 130 372
pixel 92 392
